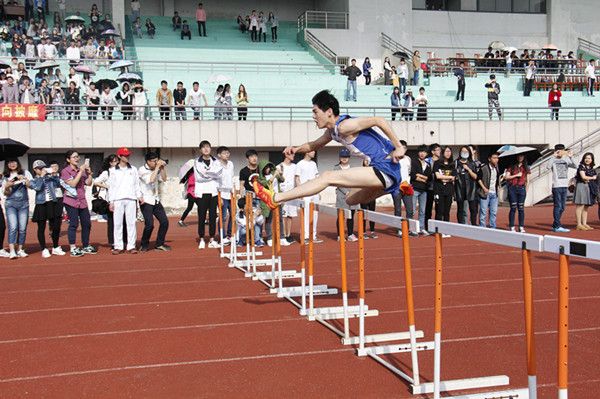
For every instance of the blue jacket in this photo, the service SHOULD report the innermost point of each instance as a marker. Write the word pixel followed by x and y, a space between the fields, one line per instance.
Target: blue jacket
pixel 19 193
pixel 365 68
pixel 395 99
pixel 42 184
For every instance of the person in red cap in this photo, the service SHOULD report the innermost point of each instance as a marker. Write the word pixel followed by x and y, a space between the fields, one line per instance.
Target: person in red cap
pixel 124 183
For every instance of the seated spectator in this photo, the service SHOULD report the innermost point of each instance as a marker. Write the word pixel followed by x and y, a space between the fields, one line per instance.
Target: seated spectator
pixel 176 21
pixel 150 28
pixel 185 30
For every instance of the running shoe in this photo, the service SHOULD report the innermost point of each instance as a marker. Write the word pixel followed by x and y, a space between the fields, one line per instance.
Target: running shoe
pixel 76 252
pixel 89 250
pixel 4 253
pixel 163 247
pixel 352 238
pixel 46 253
pixel 58 251
pixel 213 244
pixel 22 254
pixel 266 195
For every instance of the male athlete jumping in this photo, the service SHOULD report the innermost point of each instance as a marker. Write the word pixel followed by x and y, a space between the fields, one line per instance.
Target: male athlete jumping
pixel 381 151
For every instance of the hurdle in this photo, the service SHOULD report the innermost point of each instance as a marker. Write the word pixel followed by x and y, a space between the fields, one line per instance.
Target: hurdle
pixel 566 247
pixel 235 257
pixel 525 242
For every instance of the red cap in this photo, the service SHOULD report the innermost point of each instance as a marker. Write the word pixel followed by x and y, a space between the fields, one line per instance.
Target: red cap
pixel 123 152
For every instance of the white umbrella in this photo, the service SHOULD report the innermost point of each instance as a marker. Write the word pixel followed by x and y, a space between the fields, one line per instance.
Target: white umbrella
pixel 516 151
pixel 497 45
pixel 46 64
pixel 510 49
pixel 120 64
pixel 218 78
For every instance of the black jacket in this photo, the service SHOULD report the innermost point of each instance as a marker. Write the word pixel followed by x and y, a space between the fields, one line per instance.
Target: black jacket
pixel 352 72
pixel 417 168
pixel 465 187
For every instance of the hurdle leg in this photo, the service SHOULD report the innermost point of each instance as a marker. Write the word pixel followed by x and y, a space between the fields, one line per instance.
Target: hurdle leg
pixel 342 235
pixel 529 330
pixel 437 354
pixel 311 301
pixel 302 262
pixel 361 281
pixel 410 302
pixel 220 206
pixel 233 247
pixel 563 324
pixel 276 243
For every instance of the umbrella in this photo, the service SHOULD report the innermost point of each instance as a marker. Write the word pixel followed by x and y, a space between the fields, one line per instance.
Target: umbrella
pixel 10 148
pixel 530 46
pixel 74 18
pixel 506 147
pixel 497 45
pixel 120 64
pixel 550 46
pixel 107 82
pixel 110 32
pixel 3 65
pixel 508 157
pixel 185 170
pixel 401 54
pixel 510 49
pixel 84 69
pixel 129 77
pixel 46 64
pixel 218 78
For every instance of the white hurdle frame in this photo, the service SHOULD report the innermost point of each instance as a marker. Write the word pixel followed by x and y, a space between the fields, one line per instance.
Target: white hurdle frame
pixel 525 242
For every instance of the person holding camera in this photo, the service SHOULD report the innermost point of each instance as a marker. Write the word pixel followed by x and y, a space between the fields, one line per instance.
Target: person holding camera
pixel 15 184
pixel 559 164
pixel 123 193
pixel 151 175
pixel 46 206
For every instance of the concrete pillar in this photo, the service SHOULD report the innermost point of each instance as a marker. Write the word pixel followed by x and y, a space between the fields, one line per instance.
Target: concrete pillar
pixel 118 15
pixel 168 7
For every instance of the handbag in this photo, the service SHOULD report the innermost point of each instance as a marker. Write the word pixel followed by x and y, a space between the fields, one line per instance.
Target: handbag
pixel 100 206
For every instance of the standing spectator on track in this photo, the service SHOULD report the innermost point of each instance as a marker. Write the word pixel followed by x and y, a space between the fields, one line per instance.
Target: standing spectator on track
pixel 227 191
pixel 352 72
pixel 460 80
pixel 164 100
pixel 420 176
pixel 530 71
pixel 554 101
pixel 201 19
pixel 399 197
pixel 590 73
pixel 189 193
pixel 207 172
pixel 15 184
pixel 445 175
pixel 516 181
pixel 75 179
pixel 586 190
pixel 307 170
pixel 124 192
pixel 435 151
pixel 151 175
pixel 489 181
pixel 274 23
pixel 465 186
pixel 366 71
pixel 493 91
pixel 341 193
pixel 176 21
pixel 416 67
pixel 101 186
pixel 287 169
pixel 247 171
pixel 559 164
pixel 179 97
pixel 195 99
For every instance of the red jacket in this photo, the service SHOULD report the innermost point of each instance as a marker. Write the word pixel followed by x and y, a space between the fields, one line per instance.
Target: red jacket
pixel 554 96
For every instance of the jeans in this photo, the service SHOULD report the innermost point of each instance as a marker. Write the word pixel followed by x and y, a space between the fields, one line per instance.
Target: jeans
pixel 2 228
pixel 415 81
pixel 516 198
pixel 75 216
pixel 226 209
pixel 402 85
pixel 351 86
pixel 420 198
pixel 242 234
pixel 17 216
pixel 180 113
pixel 559 196
pixel 591 83
pixel 460 93
pixel 491 203
pixel 150 212
pixel 398 199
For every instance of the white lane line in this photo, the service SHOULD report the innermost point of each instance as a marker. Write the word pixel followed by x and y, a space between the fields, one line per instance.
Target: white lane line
pixel 500 336
pixel 176 364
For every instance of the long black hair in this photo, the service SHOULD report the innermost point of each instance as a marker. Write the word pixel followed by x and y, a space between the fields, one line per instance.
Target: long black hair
pixel 7 171
pixel 107 161
pixel 443 157
pixel 583 159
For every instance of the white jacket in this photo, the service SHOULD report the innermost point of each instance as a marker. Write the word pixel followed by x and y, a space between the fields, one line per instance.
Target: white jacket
pixel 208 177
pixel 124 184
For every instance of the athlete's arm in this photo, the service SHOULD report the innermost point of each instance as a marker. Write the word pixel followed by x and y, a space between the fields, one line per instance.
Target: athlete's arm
pixel 353 126
pixel 310 146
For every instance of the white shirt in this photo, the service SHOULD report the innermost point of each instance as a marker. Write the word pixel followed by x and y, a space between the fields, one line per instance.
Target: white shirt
pixel 289 174
pixel 306 170
pixel 50 50
pixel 135 6
pixel 103 179
pixel 124 184
pixel 208 177
pixel 195 97
pixel 149 190
pixel 530 71
pixel 226 183
pixel 590 71
pixel 107 99
pixel 73 53
pixel 403 69
pixel 493 177
pixel 41 50
pixel 404 169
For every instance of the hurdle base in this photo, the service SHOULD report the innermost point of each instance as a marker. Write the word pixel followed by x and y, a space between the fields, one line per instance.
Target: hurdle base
pixel 338 313
pixel 369 339
pixel 397 348
pixel 297 291
pixel 467 383
pixel 508 394
pixel 268 275
pixel 257 262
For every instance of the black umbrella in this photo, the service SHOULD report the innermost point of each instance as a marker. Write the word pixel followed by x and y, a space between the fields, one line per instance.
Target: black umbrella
pixel 110 32
pixel 401 54
pixel 106 82
pixel 3 65
pixel 10 148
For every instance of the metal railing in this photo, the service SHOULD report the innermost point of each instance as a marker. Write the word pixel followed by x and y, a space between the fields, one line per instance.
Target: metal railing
pixel 392 45
pixel 304 113
pixel 588 47
pixel 322 20
pixel 494 65
pixel 323 50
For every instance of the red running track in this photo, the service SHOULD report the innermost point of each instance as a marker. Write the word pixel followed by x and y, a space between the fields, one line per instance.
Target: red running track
pixel 182 324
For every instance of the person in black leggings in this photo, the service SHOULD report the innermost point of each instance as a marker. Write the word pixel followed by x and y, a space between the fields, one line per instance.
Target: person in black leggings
pixel 191 200
pixel 369 206
pixel 3 252
pixel 445 174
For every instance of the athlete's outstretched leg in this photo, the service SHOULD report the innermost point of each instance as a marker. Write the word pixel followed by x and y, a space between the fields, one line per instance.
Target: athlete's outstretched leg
pixel 364 195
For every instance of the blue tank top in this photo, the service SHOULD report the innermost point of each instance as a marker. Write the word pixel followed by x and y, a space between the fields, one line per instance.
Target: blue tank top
pixel 369 144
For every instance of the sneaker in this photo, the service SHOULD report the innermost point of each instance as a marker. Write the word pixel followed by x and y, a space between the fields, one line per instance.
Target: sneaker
pixel 260 243
pixel 58 251
pixel 317 240
pixel 76 252
pixel 226 241
pixel 13 255
pixel 560 230
pixel 116 251
pixel 163 247
pixel 513 229
pixel 132 251
pixel 263 193
pixel 201 244
pixel 89 250
pixel 284 243
pixel 352 238
pixel 373 235
pixel 181 223
pixel 521 229
pixel 446 236
pixel 425 233
pixel 4 253
pixel 269 243
pixel 213 244
pixel 46 253
pixel 101 220
pixel 413 234
pixel 400 233
pixel 144 249
pixel 22 254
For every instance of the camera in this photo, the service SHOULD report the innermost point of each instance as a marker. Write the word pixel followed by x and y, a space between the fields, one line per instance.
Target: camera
pixel 166 161
pixel 48 170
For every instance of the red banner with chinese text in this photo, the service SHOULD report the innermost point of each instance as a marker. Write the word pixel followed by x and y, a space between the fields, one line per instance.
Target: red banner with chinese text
pixel 22 112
